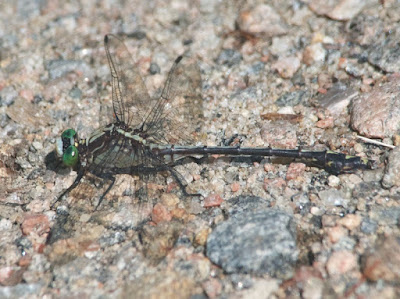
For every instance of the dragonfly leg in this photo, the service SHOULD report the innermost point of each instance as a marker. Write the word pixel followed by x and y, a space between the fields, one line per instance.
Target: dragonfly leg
pixel 182 183
pixel 110 178
pixel 70 188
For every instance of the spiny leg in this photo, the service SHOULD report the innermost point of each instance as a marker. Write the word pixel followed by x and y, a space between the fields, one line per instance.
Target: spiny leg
pixel 70 188
pixel 110 178
pixel 181 182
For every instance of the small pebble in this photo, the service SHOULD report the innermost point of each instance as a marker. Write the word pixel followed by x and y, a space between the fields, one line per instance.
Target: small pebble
pixel 341 262
pixel 354 179
pixel 295 170
pixel 316 211
pixel 170 200
pixel 35 223
pixel 358 148
pixel 314 53
pixel 384 262
pixel 261 20
pixel 350 221
pixel 286 66
pixel 212 287
pixel 213 200
pixel 201 237
pixel 333 181
pixel 336 233
pixel 84 218
pixel 160 214
pixel 368 226
pixel 235 187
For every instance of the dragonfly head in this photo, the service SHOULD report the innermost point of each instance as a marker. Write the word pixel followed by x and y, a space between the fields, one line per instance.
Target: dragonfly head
pixel 67 147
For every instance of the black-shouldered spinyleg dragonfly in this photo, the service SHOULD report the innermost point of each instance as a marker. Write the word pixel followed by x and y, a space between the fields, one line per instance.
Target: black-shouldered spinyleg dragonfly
pixel 151 134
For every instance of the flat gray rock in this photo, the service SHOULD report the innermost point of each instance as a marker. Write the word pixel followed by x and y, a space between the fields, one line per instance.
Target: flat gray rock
pixel 262 242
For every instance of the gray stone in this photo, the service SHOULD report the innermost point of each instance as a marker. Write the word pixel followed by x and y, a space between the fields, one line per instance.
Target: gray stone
pixel 292 98
pixel 27 9
pixel 20 290
pixel 7 96
pixel 262 242
pixel 75 93
pixel 246 204
pixel 332 197
pixel 386 216
pixel 392 172
pixel 369 226
pixel 245 94
pixel 112 238
pixel 229 57
pixel 385 53
pixel 59 68
pixel 154 68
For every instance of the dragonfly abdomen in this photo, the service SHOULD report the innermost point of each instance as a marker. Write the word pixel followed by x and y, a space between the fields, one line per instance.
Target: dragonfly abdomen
pixel 333 162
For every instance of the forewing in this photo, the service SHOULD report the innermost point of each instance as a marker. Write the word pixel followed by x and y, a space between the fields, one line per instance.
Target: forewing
pixel 177 116
pixel 131 100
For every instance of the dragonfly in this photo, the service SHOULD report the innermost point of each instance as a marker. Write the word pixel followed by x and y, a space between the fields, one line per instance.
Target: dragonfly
pixel 150 135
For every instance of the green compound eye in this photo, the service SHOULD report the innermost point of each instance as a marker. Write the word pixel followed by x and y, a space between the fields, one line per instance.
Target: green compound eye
pixel 68 134
pixel 71 156
pixel 68 138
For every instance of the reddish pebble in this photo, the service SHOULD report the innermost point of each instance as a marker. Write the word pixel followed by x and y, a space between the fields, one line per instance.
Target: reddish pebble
pixel 269 167
pixel 171 187
pixel 341 262
pixel 342 62
pixel 24 261
pixel 377 269
pixel 295 170
pixel 336 233
pixel 265 58
pixel 384 262
pixel 325 123
pixel 213 200
pixel 235 82
pixel 212 288
pixel 89 245
pixel 160 214
pixel 10 276
pixel 35 223
pixel 39 246
pixel 235 187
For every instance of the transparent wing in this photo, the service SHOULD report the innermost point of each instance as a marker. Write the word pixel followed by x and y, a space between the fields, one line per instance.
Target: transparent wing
pixel 178 113
pixel 131 100
pixel 175 116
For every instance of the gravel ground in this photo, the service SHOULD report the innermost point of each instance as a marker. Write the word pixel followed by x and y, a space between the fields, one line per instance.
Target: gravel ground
pixel 311 74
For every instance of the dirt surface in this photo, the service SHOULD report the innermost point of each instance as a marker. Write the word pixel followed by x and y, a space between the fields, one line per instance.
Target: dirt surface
pixel 288 74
